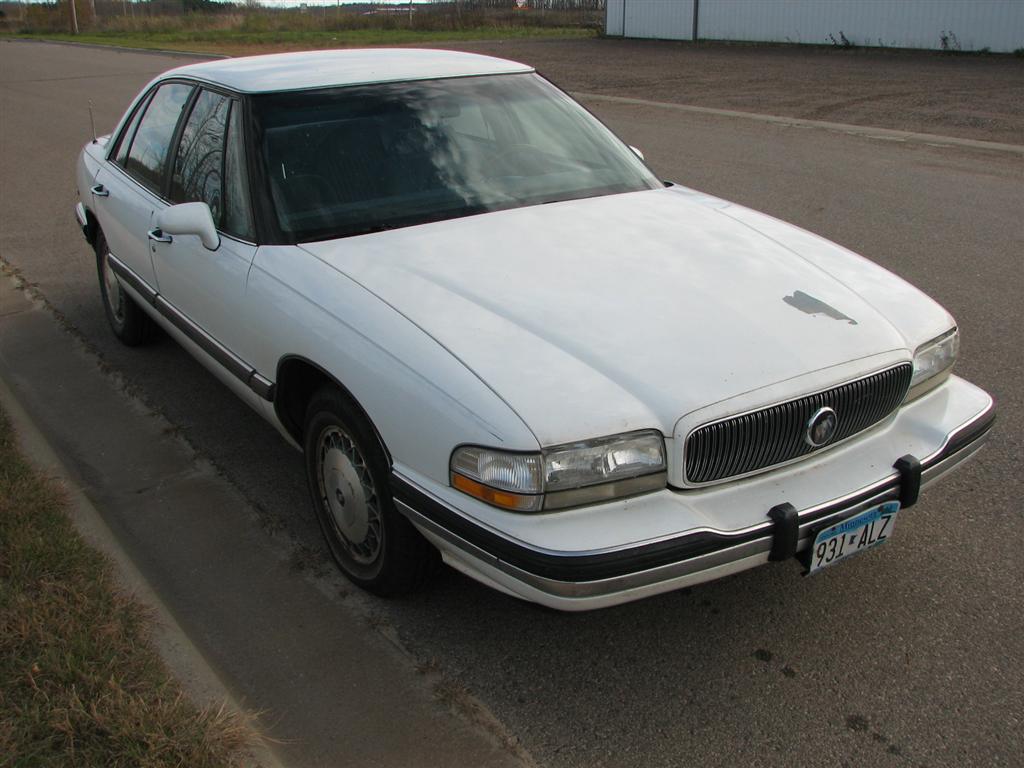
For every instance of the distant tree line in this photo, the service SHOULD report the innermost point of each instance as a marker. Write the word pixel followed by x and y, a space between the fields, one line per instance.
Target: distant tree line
pixel 253 15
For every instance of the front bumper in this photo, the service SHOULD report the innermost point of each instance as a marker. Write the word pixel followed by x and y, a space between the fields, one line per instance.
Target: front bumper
pixel 586 579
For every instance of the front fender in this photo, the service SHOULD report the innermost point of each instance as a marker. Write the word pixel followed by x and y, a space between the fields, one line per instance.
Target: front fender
pixel 421 399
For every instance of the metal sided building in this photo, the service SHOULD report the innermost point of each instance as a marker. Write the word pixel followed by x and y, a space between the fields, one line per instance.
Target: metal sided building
pixel 968 25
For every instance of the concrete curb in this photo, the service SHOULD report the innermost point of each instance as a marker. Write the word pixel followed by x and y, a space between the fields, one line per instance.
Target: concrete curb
pixel 870 132
pixel 183 659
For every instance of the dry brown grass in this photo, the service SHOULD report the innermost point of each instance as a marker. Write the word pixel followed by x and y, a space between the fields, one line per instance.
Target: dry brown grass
pixel 269 29
pixel 80 683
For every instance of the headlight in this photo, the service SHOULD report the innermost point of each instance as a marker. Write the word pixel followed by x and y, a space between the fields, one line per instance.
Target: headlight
pixel 933 362
pixel 564 475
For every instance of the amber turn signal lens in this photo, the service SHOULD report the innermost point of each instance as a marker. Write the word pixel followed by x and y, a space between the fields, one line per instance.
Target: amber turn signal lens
pixel 515 502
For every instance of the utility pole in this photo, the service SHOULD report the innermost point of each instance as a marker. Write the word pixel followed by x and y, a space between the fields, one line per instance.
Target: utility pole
pixel 74 17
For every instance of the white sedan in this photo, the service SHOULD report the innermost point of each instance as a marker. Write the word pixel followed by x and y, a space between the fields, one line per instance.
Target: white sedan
pixel 500 340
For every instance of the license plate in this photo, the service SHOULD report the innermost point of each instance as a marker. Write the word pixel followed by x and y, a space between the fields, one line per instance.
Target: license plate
pixel 853 536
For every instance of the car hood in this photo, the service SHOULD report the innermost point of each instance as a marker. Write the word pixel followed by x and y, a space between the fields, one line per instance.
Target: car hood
pixel 599 316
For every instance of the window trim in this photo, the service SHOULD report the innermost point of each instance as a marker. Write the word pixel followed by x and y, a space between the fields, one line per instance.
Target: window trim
pixel 172 151
pixel 125 125
pixel 264 218
pixel 239 112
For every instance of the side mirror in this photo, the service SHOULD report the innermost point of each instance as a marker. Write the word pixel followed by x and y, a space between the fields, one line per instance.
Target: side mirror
pixel 190 219
pixel 638 153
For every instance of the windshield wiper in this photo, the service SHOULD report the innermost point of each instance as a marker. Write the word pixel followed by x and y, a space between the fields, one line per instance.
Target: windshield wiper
pixel 367 230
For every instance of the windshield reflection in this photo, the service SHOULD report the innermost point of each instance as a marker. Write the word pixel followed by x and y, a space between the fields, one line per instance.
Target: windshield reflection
pixel 349 161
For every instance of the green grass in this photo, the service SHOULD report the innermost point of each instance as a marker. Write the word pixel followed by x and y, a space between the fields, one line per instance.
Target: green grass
pixel 240 40
pixel 80 683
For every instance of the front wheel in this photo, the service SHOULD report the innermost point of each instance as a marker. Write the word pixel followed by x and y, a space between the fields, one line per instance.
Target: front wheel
pixel 347 473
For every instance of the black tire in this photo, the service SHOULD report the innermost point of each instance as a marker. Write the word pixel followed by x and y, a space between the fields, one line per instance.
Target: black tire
pixel 128 320
pixel 375 546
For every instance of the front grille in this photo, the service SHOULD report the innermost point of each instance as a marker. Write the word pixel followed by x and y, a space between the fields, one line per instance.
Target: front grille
pixel 775 435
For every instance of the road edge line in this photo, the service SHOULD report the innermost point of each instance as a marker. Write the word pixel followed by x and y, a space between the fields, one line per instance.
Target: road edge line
pixel 183 659
pixel 912 137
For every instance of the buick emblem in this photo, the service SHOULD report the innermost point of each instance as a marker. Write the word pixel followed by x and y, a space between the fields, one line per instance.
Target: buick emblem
pixel 821 428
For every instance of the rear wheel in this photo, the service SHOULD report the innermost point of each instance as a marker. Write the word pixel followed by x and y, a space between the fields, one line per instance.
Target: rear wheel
pixel 127 319
pixel 347 473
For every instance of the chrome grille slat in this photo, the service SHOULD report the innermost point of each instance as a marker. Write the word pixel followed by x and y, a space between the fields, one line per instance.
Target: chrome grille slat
pixel 774 435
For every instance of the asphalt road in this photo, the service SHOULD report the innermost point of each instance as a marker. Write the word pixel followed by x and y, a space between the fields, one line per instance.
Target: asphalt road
pixel 909 655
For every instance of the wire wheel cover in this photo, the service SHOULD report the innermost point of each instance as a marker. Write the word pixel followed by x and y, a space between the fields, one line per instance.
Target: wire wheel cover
pixel 115 296
pixel 348 493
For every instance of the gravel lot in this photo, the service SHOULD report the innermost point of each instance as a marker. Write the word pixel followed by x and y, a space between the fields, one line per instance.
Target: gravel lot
pixel 970 96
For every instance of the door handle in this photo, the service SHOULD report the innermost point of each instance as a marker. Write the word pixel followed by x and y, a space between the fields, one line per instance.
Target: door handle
pixel 158 236
pixel 100 191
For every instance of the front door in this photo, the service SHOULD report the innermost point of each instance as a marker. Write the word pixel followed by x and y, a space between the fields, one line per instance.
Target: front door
pixel 208 287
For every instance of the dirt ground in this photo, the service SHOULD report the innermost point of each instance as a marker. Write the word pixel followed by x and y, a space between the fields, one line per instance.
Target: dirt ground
pixel 970 96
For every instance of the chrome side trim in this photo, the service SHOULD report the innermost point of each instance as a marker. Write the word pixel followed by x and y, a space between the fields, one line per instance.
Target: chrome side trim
pixel 124 272
pixel 262 386
pixel 234 364
pixel 203 340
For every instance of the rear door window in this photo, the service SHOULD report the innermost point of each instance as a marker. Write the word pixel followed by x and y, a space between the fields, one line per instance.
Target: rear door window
pixel 148 153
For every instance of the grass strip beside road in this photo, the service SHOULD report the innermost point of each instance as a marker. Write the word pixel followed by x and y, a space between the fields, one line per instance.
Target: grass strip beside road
pixel 80 683
pixel 244 42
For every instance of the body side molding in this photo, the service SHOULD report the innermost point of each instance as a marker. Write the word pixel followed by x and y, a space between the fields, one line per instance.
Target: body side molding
pixel 238 368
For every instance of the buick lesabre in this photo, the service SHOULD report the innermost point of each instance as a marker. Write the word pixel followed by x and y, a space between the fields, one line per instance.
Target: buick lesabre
pixel 501 341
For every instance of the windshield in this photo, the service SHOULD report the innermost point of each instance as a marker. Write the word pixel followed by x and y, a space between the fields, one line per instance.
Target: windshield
pixel 353 160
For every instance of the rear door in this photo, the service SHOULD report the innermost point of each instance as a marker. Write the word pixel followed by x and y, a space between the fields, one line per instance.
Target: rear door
pixel 129 185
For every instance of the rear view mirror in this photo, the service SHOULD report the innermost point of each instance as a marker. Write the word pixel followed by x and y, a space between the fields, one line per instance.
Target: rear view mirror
pixel 190 219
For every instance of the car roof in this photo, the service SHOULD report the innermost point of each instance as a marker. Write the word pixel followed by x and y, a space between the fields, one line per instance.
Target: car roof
pixel 358 66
